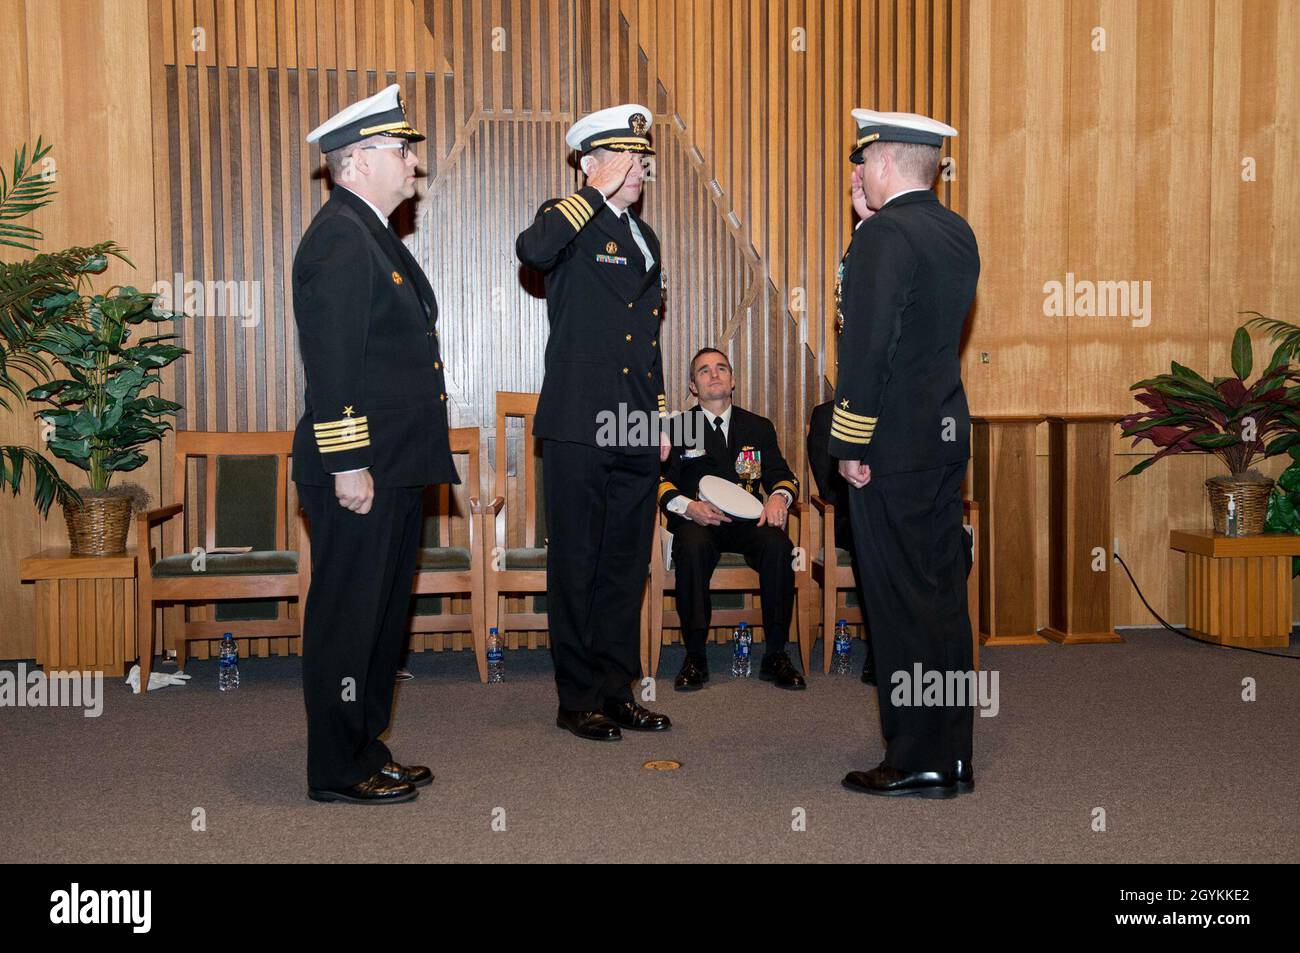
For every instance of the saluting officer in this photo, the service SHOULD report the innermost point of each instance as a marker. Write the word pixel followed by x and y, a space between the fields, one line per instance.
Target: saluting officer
pixel 603 272
pixel 735 440
pixel 373 434
pixel 901 430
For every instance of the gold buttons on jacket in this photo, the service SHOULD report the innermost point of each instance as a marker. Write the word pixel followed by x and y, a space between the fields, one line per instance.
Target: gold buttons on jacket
pixel 654 343
pixel 647 375
pixel 655 312
pixel 630 304
pixel 628 336
pixel 442 397
pixel 437 366
pixel 625 370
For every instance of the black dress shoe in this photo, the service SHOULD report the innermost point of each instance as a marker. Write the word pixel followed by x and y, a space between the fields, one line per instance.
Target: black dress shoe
pixel 379 788
pixel 591 725
pixel 887 781
pixel 869 672
pixel 416 775
pixel 633 717
pixel 778 668
pixel 965 777
pixel 692 676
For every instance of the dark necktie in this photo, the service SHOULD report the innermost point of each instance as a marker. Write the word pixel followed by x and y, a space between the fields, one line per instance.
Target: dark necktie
pixel 717 441
pixel 625 223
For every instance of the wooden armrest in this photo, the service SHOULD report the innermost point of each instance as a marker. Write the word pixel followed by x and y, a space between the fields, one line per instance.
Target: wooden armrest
pixel 160 515
pixel 822 506
pixel 493 506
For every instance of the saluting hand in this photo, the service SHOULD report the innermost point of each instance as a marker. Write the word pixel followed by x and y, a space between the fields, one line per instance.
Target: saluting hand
pixel 859 193
pixel 610 175
pixel 355 491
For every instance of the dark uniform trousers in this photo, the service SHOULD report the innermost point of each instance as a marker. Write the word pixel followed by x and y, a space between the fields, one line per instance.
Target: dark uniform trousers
pixel 600 514
pixel 914 556
pixel 355 627
pixel 767 550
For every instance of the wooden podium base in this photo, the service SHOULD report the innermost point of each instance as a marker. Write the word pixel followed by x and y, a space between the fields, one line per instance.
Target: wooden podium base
pixel 1081 638
pixel 1025 638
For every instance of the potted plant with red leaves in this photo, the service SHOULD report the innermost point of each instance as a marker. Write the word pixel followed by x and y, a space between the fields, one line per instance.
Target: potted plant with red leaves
pixel 1236 421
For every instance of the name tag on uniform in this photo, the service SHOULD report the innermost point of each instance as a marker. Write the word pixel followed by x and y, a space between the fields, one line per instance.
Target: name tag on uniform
pixel 692 454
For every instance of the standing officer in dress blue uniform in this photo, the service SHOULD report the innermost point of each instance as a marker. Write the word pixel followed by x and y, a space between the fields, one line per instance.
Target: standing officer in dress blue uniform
pixel 901 430
pixel 373 434
pixel 603 271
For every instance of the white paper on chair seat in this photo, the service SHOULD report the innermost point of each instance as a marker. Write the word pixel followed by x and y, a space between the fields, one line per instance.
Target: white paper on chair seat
pixel 729 497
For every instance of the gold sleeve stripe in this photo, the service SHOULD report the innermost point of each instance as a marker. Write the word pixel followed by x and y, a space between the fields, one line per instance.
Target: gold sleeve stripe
pixel 582 204
pixel 564 209
pixel 354 445
pixel 666 486
pixel 361 434
pixel 787 485
pixel 849 437
pixel 340 424
pixel 579 208
pixel 847 417
pixel 853 428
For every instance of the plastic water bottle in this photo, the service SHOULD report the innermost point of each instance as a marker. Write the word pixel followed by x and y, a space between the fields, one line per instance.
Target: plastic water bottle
pixel 1232 528
pixel 843 649
pixel 740 661
pixel 228 664
pixel 496 659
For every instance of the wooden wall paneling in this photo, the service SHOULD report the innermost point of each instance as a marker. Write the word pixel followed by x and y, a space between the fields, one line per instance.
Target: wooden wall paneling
pixel 77 75
pixel 23 526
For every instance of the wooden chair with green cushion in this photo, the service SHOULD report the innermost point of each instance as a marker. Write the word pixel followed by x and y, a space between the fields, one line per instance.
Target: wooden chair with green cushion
pixel 518 569
pixel 832 571
pixel 732 576
pixel 446 570
pixel 242 486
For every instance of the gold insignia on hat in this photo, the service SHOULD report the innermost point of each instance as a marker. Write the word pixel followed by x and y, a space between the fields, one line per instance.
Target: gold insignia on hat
pixel 611 247
pixel 397 279
pixel 638 124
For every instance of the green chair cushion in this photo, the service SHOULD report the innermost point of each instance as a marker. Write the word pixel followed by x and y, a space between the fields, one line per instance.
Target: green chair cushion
pixel 442 559
pixel 843 557
pixel 525 558
pixel 267 563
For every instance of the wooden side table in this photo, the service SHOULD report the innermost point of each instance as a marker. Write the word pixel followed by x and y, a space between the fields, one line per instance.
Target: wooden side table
pixel 85 610
pixel 1079 524
pixel 1004 479
pixel 1238 587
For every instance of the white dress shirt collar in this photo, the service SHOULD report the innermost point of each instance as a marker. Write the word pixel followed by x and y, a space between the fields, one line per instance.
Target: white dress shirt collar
pixel 382 217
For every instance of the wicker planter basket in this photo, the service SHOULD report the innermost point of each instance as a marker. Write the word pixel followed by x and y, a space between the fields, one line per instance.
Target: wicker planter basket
pixel 99 526
pixel 1251 496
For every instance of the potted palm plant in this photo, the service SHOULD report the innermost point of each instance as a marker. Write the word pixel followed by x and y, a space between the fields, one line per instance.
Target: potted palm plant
pixel 1236 421
pixel 98 417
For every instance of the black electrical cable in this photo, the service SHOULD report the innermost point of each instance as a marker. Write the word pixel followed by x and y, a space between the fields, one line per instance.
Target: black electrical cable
pixel 1183 632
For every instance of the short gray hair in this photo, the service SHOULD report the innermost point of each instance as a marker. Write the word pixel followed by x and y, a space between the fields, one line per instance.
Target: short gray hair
pixel 340 160
pixel 915 161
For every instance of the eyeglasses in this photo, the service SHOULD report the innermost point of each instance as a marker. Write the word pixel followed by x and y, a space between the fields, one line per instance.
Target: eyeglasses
pixel 405 147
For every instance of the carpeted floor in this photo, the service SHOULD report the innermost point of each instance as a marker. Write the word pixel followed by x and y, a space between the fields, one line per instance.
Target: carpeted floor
pixel 1153 731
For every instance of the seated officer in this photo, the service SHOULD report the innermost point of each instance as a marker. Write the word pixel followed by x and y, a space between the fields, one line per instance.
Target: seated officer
pixel 702 532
